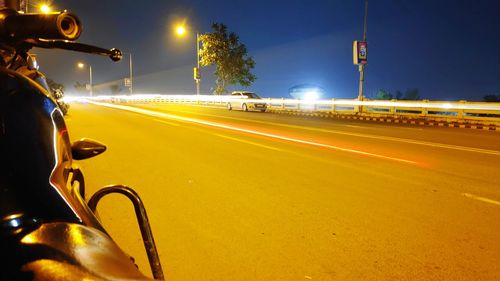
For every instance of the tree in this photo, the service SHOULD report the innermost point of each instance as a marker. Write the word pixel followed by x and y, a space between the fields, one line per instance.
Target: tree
pixel 54 85
pixel 411 94
pixel 115 89
pixel 383 95
pixel 80 87
pixel 492 98
pixel 229 55
pixel 398 95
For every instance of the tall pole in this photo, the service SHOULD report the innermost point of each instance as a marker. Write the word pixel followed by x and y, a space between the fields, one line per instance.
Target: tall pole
pixel 90 74
pixel 362 66
pixel 198 65
pixel 131 82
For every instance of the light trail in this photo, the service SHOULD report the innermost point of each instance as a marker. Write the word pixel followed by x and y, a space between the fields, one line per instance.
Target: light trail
pixel 254 132
pixel 431 105
pixel 479 198
pixel 362 135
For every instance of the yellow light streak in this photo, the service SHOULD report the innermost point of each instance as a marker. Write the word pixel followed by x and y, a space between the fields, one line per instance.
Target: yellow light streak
pixel 254 132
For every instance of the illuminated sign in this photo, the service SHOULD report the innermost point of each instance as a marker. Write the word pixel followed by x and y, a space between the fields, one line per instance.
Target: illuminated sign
pixel 360 52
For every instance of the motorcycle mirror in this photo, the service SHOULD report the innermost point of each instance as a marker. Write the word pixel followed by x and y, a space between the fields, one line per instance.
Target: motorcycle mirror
pixel 86 148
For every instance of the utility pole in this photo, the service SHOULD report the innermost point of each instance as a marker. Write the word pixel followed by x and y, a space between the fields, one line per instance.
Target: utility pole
pixel 198 78
pixel 131 82
pixel 363 66
pixel 90 74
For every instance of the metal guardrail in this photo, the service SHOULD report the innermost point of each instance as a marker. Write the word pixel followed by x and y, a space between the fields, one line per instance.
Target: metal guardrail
pixel 487 113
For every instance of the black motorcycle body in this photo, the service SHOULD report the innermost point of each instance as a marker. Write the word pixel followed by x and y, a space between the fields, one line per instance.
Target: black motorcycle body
pixel 48 230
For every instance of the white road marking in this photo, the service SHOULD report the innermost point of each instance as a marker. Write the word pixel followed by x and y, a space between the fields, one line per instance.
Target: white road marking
pixel 229 127
pixel 483 199
pixel 248 142
pixel 166 122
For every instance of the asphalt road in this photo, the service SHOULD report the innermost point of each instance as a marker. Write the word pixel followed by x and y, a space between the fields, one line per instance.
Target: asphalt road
pixel 255 196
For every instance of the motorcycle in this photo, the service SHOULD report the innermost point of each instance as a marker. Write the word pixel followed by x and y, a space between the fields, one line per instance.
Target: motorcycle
pixel 58 95
pixel 49 229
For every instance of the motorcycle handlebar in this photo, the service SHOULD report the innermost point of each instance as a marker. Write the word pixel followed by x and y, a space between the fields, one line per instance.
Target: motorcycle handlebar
pixel 60 25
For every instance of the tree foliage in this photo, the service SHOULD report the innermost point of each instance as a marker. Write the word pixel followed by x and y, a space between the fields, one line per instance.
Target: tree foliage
pixel 383 95
pixel 492 98
pixel 115 89
pixel 80 87
pixel 230 57
pixel 54 85
pixel 410 94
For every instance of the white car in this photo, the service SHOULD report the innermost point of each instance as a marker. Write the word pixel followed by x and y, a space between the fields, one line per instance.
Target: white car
pixel 246 101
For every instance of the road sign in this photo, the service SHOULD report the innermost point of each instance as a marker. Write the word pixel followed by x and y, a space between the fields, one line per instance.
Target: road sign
pixel 127 82
pixel 196 73
pixel 360 52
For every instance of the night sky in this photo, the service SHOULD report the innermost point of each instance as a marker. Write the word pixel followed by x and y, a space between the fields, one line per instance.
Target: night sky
pixel 448 49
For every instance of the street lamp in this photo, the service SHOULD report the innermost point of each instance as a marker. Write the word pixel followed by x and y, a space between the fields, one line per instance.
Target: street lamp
pixel 44 8
pixel 82 65
pixel 180 30
pixel 131 83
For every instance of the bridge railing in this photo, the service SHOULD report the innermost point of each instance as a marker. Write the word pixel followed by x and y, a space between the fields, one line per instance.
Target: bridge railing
pixel 450 111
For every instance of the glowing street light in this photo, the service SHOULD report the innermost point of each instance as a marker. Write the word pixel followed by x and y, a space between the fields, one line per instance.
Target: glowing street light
pixel 82 65
pixel 45 8
pixel 180 30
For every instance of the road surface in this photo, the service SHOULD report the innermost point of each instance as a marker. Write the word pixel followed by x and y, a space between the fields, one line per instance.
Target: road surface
pixel 237 195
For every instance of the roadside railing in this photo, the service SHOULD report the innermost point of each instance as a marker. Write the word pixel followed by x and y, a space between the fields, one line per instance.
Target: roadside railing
pixel 487 113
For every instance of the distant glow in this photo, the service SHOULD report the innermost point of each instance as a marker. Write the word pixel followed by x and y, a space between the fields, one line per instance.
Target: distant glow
pixel 14 223
pixel 81 65
pixel 44 8
pixel 447 106
pixel 180 30
pixel 312 95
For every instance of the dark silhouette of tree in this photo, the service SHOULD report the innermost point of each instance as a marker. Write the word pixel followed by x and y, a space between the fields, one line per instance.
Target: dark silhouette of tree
pixel 492 98
pixel 54 85
pixel 80 87
pixel 411 94
pixel 383 95
pixel 115 89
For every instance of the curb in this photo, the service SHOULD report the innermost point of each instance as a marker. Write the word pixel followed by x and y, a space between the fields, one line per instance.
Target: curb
pixel 409 121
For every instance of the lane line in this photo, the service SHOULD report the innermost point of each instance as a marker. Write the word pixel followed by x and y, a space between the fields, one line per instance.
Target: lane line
pixel 224 126
pixel 165 122
pixel 479 198
pixel 248 142
pixel 362 135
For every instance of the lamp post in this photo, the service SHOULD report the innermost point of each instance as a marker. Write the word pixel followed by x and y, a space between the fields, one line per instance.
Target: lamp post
pixel 181 30
pixel 82 65
pixel 130 69
pixel 197 76
pixel 131 82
